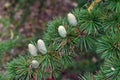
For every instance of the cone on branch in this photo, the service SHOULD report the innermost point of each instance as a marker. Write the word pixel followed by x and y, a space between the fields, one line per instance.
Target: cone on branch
pixel 32 49
pixel 62 32
pixel 72 19
pixel 112 68
pixel 41 46
pixel 34 64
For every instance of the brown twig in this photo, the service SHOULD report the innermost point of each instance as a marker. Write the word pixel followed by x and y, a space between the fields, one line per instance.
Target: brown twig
pixel 93 4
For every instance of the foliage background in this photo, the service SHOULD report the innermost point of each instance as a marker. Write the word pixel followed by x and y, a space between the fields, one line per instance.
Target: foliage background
pixel 22 21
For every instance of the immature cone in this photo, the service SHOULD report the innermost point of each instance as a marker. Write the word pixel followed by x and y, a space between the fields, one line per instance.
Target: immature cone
pixel 112 68
pixel 62 32
pixel 41 46
pixel 7 5
pixel 34 64
pixel 32 49
pixel 72 19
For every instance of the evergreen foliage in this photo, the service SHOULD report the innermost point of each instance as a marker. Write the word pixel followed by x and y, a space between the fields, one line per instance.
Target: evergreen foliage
pixel 97 32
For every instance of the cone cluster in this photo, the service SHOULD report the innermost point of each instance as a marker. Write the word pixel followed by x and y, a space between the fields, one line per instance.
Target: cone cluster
pixel 41 45
pixel 33 51
pixel 72 21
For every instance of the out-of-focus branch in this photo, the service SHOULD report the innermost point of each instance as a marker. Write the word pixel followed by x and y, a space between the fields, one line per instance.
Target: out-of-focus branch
pixel 93 4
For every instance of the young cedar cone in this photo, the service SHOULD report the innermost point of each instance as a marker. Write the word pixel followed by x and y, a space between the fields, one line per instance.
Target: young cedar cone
pixel 34 64
pixel 41 46
pixel 72 19
pixel 112 68
pixel 62 32
pixel 32 49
